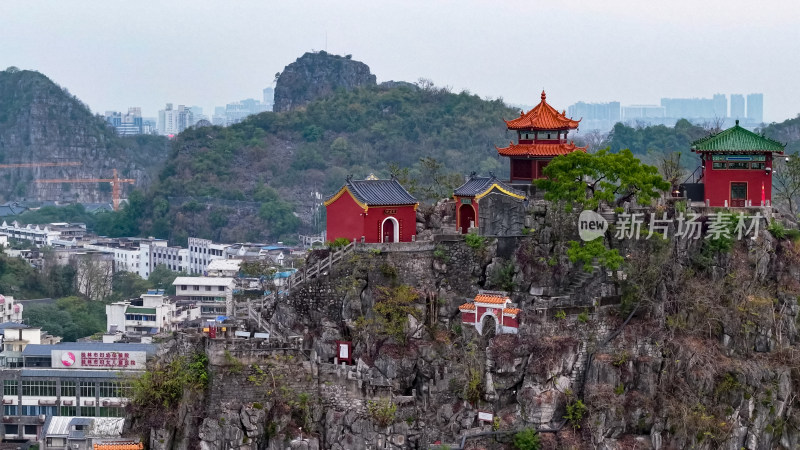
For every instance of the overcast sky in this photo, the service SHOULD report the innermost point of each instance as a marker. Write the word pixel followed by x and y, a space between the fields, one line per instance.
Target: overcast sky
pixel 146 53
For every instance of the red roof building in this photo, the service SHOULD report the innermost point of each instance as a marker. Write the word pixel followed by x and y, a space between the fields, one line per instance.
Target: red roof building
pixel 377 210
pixel 541 136
pixel 491 311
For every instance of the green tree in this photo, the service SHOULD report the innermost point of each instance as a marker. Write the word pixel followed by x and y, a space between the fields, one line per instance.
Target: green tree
pixel 127 285
pixel 161 278
pixel 585 179
pixel 593 251
pixel 527 439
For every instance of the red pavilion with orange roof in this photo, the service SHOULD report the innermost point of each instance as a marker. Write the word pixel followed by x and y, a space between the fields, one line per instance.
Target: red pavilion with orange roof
pixel 541 136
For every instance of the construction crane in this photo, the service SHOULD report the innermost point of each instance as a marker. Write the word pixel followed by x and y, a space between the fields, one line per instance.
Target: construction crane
pixel 42 164
pixel 115 184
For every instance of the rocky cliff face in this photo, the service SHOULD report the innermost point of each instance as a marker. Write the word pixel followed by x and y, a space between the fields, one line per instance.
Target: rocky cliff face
pixel 688 345
pixel 315 75
pixel 41 122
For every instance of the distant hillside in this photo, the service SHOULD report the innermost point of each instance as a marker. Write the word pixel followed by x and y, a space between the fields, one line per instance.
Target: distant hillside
pixel 251 176
pixel 787 132
pixel 316 75
pixel 41 122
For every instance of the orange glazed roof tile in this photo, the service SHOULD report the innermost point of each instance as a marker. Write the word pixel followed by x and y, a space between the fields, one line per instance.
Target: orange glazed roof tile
pixel 542 117
pixel 493 299
pixel 119 446
pixel 539 149
pixel 513 311
pixel 467 306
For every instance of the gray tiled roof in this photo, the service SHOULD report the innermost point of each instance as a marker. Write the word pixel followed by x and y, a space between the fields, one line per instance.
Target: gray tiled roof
pixel 12 325
pixel 380 192
pixel 477 185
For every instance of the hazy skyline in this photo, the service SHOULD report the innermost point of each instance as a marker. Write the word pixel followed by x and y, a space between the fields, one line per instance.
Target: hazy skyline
pixel 115 55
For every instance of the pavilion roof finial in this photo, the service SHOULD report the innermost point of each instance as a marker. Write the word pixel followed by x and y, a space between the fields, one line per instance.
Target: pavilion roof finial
pixel 544 96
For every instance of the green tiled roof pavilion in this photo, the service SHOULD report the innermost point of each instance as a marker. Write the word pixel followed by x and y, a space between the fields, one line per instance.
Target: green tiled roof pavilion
pixel 739 140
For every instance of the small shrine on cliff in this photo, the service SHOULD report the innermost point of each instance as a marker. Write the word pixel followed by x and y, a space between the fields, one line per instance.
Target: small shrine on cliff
pixel 491 313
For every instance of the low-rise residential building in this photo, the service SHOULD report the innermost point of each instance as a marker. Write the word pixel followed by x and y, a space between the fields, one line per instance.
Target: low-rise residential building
pixel 17 336
pixel 142 256
pixel 214 295
pixel 10 311
pixel 152 314
pixel 68 379
pixel 41 235
pixel 201 253
pixel 85 433
pixel 224 268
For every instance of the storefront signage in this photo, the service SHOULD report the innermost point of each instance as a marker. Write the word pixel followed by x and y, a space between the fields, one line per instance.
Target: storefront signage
pixel 98 360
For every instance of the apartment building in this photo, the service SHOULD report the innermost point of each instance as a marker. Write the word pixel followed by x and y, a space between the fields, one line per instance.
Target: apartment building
pixel 214 295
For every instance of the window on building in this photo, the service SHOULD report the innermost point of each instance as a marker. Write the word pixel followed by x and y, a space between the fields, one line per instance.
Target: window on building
pixel 109 389
pixel 87 389
pixel 30 410
pixel 111 411
pixel 196 288
pixel 10 387
pixel 183 287
pixel 56 442
pixel 68 389
pixel 30 430
pixel 39 388
pixel 738 165
pixel 88 411
pixel 70 411
pixel 9 410
pixel 208 288
pixel 718 165
pixel 12 429
pixel 758 165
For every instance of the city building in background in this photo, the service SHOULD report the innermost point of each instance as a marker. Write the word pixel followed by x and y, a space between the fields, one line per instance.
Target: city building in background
pixel 129 124
pixel 755 108
pixel 174 120
pixel 701 111
pixel 596 116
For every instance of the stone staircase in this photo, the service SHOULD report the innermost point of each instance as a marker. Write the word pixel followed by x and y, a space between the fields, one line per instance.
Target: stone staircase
pixel 580 279
pixel 608 213
pixel 579 368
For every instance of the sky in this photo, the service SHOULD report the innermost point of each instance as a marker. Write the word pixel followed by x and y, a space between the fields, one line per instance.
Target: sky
pixel 113 55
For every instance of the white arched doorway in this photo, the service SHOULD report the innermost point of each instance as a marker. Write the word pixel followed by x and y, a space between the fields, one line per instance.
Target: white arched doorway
pixel 390 230
pixel 489 325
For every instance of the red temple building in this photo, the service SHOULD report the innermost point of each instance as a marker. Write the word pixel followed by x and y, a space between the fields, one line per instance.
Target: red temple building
pixel 469 194
pixel 491 309
pixel 377 210
pixel 541 136
pixel 737 167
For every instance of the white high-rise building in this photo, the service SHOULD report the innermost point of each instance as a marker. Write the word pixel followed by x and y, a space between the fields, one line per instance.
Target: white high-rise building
pixel 174 120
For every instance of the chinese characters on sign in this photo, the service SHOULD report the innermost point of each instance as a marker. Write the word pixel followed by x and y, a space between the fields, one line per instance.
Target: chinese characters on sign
pixel 717 226
pixel 106 359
